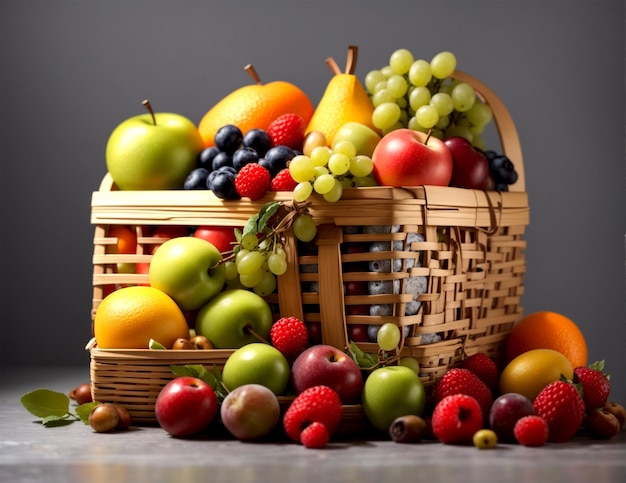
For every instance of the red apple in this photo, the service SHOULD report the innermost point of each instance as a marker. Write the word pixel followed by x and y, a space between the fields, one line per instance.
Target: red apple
pixel 326 365
pixel 186 406
pixel 470 165
pixel 222 237
pixel 405 157
pixel 250 412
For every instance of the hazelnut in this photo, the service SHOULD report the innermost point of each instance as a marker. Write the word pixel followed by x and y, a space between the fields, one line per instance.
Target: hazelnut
pixel 182 344
pixel 104 418
pixel 81 394
pixel 200 342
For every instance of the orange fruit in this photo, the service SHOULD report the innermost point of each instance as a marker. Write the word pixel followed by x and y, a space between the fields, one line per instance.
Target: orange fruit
pixel 255 106
pixel 531 371
pixel 126 239
pixel 129 317
pixel 548 330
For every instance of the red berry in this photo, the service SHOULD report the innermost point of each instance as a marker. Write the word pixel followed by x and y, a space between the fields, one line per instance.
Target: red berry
pixel 287 130
pixel 253 181
pixel 315 435
pixel 290 336
pixel 456 418
pixel 531 431
pixel 484 368
pixel 318 404
pixel 563 408
pixel 283 181
pixel 595 385
pixel 463 381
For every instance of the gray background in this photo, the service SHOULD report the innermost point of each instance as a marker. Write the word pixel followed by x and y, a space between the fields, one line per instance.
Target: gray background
pixel 70 71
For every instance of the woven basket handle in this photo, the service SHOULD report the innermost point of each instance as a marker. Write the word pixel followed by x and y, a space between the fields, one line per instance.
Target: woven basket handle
pixel 504 123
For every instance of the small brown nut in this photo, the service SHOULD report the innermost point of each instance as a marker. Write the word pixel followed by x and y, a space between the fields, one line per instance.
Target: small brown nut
pixel 200 342
pixel 125 419
pixel 617 410
pixel 104 418
pixel 182 344
pixel 601 424
pixel 81 394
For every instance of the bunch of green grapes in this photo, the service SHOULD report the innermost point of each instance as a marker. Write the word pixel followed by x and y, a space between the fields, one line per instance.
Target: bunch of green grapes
pixel 327 171
pixel 421 95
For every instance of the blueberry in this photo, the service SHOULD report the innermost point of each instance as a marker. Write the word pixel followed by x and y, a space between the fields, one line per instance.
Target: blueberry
pixel 228 138
pixel 205 158
pixel 269 165
pixel 222 159
pixel 244 156
pixel 257 139
pixel 197 179
pixel 278 156
pixel 503 170
pixel 223 185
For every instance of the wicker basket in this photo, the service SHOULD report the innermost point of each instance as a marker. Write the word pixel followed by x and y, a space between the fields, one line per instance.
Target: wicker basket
pixel 448 263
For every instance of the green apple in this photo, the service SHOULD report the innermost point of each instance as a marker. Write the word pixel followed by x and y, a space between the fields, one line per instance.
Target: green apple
pixel 391 392
pixel 234 318
pixel 153 151
pixel 363 137
pixel 188 270
pixel 257 363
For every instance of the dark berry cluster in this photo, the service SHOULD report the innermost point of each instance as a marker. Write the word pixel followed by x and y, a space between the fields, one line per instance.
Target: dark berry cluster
pixel 502 170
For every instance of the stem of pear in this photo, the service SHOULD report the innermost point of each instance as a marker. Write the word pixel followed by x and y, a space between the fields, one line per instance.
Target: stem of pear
pixel 252 73
pixel 148 106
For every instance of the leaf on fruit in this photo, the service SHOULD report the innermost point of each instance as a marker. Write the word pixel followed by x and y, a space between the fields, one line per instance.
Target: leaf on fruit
pixel 154 345
pixel 84 410
pixel 45 403
pixel 363 359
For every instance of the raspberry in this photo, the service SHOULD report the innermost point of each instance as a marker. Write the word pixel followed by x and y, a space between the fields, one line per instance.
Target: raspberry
pixel 484 368
pixel 253 181
pixel 595 385
pixel 563 408
pixel 287 130
pixel 290 336
pixel 464 381
pixel 456 418
pixel 315 436
pixel 531 431
pixel 318 404
pixel 283 181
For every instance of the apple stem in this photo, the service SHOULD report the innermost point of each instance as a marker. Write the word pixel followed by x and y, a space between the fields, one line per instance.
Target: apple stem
pixel 249 330
pixel 252 73
pixel 430 132
pixel 147 105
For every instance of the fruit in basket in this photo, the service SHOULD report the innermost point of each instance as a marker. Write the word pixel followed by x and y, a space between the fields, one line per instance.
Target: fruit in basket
pixel 318 404
pixel 344 100
pixel 456 418
pixel 289 335
pixel 186 406
pixel 502 170
pixel 505 411
pixel 362 136
pixel 563 408
pixel 470 166
pixel 390 392
pixel 189 270
pixel 253 181
pixel 250 412
pixel 326 365
pixel 257 363
pixel 411 158
pixel 255 106
pixel 234 318
pixel 287 130
pixel 129 317
pixel 153 151
pixel 221 237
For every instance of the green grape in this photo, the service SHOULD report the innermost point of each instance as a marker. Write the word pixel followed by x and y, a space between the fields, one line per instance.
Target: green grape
pixel 324 183
pixel 420 96
pixel 400 61
pixel 402 102
pixel 250 263
pixel 443 64
pixel 397 86
pixel 344 147
pixel 347 181
pixel 335 193
pixel 301 168
pixel 463 131
pixel 361 166
pixel 419 73
pixel 427 116
pixel 252 279
pixel 320 171
pixel 385 115
pixel 447 85
pixel 383 95
pixel 443 103
pixel 339 163
pixel 382 85
pixel 302 191
pixel 463 97
pixel 249 241
pixel 266 285
pixel 443 122
pixel 397 125
pixel 304 228
pixel 364 181
pixel 479 114
pixel 479 142
pixel 240 254
pixel 230 270
pixel 387 71
pixel 277 263
pixel 320 155
pixel 372 78
pixel 388 336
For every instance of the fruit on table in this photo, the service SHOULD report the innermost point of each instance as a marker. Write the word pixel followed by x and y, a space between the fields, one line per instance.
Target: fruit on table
pixel 221 237
pixel 327 365
pixel 318 404
pixel 411 158
pixel 103 418
pixel 469 165
pixel 595 385
pixel 408 429
pixel 362 136
pixel 250 412
pixel 531 431
pixel 462 381
pixel 485 369
pixel 256 363
pixel 344 100
pixel 129 317
pixel 456 419
pixel 254 106
pixel 186 406
pixel 485 439
pixel 234 318
pixel 188 269
pixel 618 411
pixel 563 408
pixel 390 392
pixel 81 394
pixel 505 411
pixel 153 151
pixel 601 423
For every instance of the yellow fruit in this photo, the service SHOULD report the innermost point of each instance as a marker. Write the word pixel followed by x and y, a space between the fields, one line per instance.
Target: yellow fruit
pixel 533 370
pixel 344 100
pixel 129 317
pixel 255 106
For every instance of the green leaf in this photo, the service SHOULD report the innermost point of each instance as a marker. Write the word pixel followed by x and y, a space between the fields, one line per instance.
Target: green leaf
pixel 84 410
pixel 251 225
pixel 266 213
pixel 53 421
pixel 363 359
pixel 45 403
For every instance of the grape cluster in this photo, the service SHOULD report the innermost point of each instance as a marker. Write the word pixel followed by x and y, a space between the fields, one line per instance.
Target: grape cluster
pixel 421 95
pixel 502 170
pixel 327 171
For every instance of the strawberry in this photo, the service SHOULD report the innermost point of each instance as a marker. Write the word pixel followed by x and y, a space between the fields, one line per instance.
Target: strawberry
pixel 563 408
pixel 315 435
pixel 456 418
pixel 464 381
pixel 287 130
pixel 253 181
pixel 283 181
pixel 318 404
pixel 290 336
pixel 486 370
pixel 531 430
pixel 595 384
